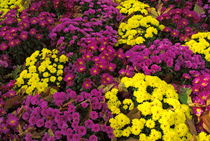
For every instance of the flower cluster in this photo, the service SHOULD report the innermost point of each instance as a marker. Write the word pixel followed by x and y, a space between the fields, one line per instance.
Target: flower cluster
pixel 43 69
pixel 23 35
pixel 4 61
pixel 6 5
pixel 138 29
pixel 67 116
pixel 179 23
pixel 88 70
pixel 200 43
pixel 8 120
pixel 200 97
pixel 97 65
pixel 158 112
pixel 174 3
pixel 62 8
pixel 129 7
pixel 163 57
pixel 101 10
pixel 89 44
pixel 203 137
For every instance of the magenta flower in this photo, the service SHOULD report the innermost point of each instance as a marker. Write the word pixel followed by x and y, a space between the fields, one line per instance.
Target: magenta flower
pixel 198 111
pixel 3 46
pixel 95 128
pixel 93 115
pixel 12 120
pixel 175 33
pixel 94 71
pixel 106 78
pixel 68 77
pixel 40 123
pixel 24 35
pixel 87 84
pixel 81 68
pixel 93 138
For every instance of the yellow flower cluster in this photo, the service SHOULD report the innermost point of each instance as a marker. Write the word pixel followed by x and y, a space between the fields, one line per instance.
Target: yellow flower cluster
pixel 138 29
pixel 129 7
pixel 199 43
pixel 162 116
pixel 6 5
pixel 43 69
pixel 203 137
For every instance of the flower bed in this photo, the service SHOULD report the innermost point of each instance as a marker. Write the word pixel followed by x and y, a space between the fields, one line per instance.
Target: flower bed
pixel 118 70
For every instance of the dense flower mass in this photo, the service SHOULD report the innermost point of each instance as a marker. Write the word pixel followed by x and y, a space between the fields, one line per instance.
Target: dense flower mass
pixel 154 99
pixel 200 43
pixel 6 5
pixel 138 29
pixel 43 69
pixel 22 33
pixel 200 98
pixel 163 58
pixel 67 116
pixel 129 7
pixel 179 23
pixel 100 70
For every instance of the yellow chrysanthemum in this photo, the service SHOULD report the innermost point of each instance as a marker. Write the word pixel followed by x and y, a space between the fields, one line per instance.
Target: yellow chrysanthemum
pixel 42 71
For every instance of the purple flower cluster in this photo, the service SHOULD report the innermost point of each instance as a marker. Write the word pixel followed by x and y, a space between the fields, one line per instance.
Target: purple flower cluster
pixel 200 98
pixel 88 41
pixel 180 23
pixel 105 10
pixel 23 35
pixel 174 3
pixel 13 31
pixel 97 64
pixel 68 116
pixel 4 61
pixel 8 120
pixel 163 57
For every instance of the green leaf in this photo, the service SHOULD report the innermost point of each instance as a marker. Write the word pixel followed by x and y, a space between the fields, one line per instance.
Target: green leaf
pixel 198 9
pixel 184 96
pixel 16 72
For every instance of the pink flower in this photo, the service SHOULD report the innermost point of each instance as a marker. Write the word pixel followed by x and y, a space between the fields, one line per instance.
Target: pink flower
pixel 166 29
pixel 81 68
pixel 186 76
pixel 68 77
pixel 106 78
pixel 12 120
pixel 94 71
pixel 93 115
pixel 24 35
pixel 80 61
pixel 39 36
pixel 3 46
pixel 87 84
pixel 111 67
pixel 12 43
pixel 198 111
pixel 175 33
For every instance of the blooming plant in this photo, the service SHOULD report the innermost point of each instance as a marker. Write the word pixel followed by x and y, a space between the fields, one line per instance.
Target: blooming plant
pixel 6 5
pixel 163 58
pixel 179 23
pixel 200 43
pixel 66 116
pixel 200 97
pixel 100 70
pixel 21 36
pixel 97 65
pixel 129 7
pixel 139 29
pixel 43 69
pixel 158 112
